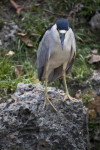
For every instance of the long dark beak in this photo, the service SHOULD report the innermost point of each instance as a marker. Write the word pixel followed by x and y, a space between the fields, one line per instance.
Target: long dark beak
pixel 62 36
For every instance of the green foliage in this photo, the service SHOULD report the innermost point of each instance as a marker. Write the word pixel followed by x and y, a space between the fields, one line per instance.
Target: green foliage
pixel 1 23
pixel 93 125
pixel 87 98
pixel 4 1
pixel 89 8
pixel 8 76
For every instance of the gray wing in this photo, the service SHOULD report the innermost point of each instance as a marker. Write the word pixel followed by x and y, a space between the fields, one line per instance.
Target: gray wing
pixel 42 54
pixel 72 54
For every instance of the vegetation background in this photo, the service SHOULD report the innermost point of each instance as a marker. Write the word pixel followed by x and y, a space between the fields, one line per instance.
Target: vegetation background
pixel 21 24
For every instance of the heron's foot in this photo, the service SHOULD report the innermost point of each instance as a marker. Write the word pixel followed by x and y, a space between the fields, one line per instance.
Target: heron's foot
pixel 67 96
pixel 47 99
pixel 56 99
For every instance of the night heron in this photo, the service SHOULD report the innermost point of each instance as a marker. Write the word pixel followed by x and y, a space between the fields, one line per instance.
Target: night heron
pixel 56 54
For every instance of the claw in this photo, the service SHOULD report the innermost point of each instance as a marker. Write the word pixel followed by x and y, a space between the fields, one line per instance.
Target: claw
pixel 67 96
pixel 47 99
pixel 72 99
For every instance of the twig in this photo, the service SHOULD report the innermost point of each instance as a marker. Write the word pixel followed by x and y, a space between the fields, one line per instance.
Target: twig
pixel 16 6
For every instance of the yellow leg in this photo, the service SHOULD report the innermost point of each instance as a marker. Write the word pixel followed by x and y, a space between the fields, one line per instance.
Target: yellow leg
pixel 46 94
pixel 66 89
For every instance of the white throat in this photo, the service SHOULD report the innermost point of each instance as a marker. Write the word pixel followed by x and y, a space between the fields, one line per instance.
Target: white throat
pixel 62 31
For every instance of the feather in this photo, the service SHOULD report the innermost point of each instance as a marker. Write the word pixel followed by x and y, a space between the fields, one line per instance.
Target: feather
pixel 40 39
pixel 43 53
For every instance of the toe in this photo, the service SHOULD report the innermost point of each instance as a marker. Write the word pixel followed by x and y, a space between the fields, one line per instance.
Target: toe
pixel 72 99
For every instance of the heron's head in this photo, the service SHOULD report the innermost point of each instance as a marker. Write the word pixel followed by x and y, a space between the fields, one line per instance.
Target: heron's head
pixel 62 28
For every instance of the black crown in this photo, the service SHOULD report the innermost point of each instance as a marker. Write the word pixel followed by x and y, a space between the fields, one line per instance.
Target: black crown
pixel 62 24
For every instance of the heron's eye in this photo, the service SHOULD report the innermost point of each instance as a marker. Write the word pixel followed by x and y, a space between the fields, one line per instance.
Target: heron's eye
pixel 57 29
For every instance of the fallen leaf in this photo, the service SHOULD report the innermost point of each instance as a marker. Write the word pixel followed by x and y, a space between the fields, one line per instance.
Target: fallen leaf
pixel 19 10
pixel 35 34
pixel 94 59
pixel 94 51
pixel 16 6
pixel 22 34
pixel 25 39
pixel 29 44
pixel 10 53
pixel 18 71
pixel 88 56
pixel 37 4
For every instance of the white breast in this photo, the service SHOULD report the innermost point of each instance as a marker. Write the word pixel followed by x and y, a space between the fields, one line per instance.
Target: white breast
pixel 59 56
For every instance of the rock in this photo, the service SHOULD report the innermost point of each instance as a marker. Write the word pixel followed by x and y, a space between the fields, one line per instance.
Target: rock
pixel 95 81
pixel 95 21
pixel 97 136
pixel 12 30
pixel 94 105
pixel 8 34
pixel 0 43
pixel 24 125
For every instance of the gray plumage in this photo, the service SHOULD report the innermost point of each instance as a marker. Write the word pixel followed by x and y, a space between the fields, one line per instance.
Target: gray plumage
pixel 52 57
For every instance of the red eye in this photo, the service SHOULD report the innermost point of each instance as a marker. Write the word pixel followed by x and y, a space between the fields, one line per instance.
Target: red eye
pixel 57 29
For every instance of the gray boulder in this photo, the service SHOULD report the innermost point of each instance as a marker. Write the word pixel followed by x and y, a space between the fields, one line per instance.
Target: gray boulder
pixel 95 21
pixel 95 81
pixel 24 125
